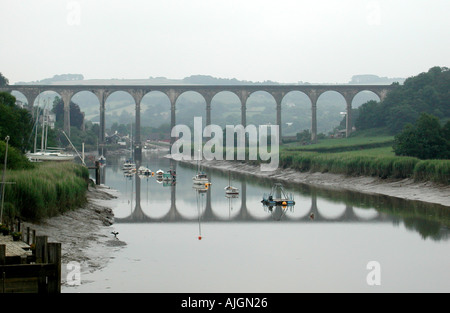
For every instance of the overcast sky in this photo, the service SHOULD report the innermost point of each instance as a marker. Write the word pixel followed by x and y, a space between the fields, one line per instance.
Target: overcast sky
pixel 318 41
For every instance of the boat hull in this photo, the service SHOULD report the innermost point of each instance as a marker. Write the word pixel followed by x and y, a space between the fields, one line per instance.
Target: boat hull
pixel 42 157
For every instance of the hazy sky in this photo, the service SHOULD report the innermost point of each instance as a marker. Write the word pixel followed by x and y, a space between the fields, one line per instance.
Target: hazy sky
pixel 283 40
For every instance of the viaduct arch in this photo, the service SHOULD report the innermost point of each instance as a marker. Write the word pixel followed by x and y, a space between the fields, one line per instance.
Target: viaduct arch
pixel 208 92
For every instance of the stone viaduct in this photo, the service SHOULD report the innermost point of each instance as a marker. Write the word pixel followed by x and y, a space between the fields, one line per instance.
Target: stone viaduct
pixel 66 92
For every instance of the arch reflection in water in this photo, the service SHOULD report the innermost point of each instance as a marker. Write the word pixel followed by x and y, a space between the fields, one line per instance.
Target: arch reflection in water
pixel 153 202
pixel 150 202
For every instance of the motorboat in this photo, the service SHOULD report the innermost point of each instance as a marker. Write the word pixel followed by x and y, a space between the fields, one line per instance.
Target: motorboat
pixel 102 160
pixel 200 179
pixel 128 165
pixel 144 171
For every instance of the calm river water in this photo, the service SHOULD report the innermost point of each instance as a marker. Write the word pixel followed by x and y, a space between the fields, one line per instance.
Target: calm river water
pixel 353 243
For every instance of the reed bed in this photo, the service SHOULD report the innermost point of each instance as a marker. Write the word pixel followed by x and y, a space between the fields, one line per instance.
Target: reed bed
pixel 46 190
pixel 359 163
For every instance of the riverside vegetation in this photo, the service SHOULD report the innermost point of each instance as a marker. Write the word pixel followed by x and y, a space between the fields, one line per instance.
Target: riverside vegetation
pixel 351 157
pixel 48 189
pixel 42 190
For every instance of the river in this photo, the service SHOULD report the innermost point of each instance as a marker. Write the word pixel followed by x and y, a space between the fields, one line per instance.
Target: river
pixel 179 239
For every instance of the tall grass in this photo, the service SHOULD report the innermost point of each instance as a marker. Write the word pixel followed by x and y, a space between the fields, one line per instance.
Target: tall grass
pixel 343 144
pixel 46 190
pixel 360 163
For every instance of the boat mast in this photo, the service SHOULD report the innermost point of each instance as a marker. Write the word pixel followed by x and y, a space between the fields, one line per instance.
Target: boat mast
pixel 35 127
pixel 42 136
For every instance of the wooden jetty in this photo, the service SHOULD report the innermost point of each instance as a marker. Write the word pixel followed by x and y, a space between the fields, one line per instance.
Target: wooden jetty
pixel 33 266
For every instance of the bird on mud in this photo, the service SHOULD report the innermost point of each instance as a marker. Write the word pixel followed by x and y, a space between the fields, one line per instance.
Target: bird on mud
pixel 115 233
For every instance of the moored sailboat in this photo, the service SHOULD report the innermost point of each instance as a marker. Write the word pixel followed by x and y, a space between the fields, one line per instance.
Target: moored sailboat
pixel 231 190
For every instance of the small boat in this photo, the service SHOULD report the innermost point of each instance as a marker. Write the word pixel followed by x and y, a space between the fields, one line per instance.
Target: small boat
pixel 47 153
pixel 200 179
pixel 128 165
pixel 230 190
pixel 49 156
pixel 159 174
pixel 170 175
pixel 144 171
pixel 102 160
pixel 278 197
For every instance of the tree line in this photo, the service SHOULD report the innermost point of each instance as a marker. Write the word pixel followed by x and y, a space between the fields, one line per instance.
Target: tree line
pixel 417 113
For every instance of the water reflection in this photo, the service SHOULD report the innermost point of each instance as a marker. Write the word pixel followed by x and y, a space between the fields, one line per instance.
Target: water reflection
pixel 151 201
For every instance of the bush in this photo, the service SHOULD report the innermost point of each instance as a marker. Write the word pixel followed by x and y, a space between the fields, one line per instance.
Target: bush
pixel 16 160
pixel 424 140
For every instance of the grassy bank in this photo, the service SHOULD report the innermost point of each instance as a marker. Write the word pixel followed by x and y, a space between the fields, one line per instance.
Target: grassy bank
pixel 363 156
pixel 45 190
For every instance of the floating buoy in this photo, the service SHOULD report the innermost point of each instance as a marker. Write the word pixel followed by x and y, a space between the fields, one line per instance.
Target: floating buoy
pixel 199 237
pixel 284 203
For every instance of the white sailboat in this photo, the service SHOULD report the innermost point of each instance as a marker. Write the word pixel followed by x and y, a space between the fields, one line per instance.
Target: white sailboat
pixel 200 178
pixel 47 154
pixel 230 190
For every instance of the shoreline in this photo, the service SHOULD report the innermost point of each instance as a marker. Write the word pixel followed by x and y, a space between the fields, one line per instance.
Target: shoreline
pixel 407 189
pixel 84 233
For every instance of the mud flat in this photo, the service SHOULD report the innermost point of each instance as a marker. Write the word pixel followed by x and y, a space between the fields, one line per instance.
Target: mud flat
pixel 85 234
pixel 405 188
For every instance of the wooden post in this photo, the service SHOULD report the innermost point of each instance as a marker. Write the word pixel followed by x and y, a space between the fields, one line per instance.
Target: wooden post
pixel 54 257
pixel 2 262
pixel 42 257
pixel 97 172
pixel 28 235
pixel 41 249
pixel 2 254
pixel 34 237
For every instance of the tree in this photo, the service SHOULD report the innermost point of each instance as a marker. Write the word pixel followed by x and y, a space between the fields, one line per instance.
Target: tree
pixel 3 81
pixel 15 122
pixel 369 116
pixel 427 139
pixel 425 93
pixel 76 117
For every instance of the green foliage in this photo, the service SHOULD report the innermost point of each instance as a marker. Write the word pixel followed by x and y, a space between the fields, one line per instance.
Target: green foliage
pixel 425 140
pixel 344 144
pixel 424 93
pixel 367 156
pixel 76 117
pixel 16 159
pixel 46 190
pixel 15 122
pixel 364 163
pixel 3 80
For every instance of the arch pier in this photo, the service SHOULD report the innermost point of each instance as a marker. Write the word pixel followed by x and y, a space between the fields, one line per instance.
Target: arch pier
pixel 243 92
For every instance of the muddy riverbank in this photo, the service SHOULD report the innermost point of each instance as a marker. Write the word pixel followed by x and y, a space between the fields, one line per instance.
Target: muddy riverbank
pixel 85 234
pixel 405 188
